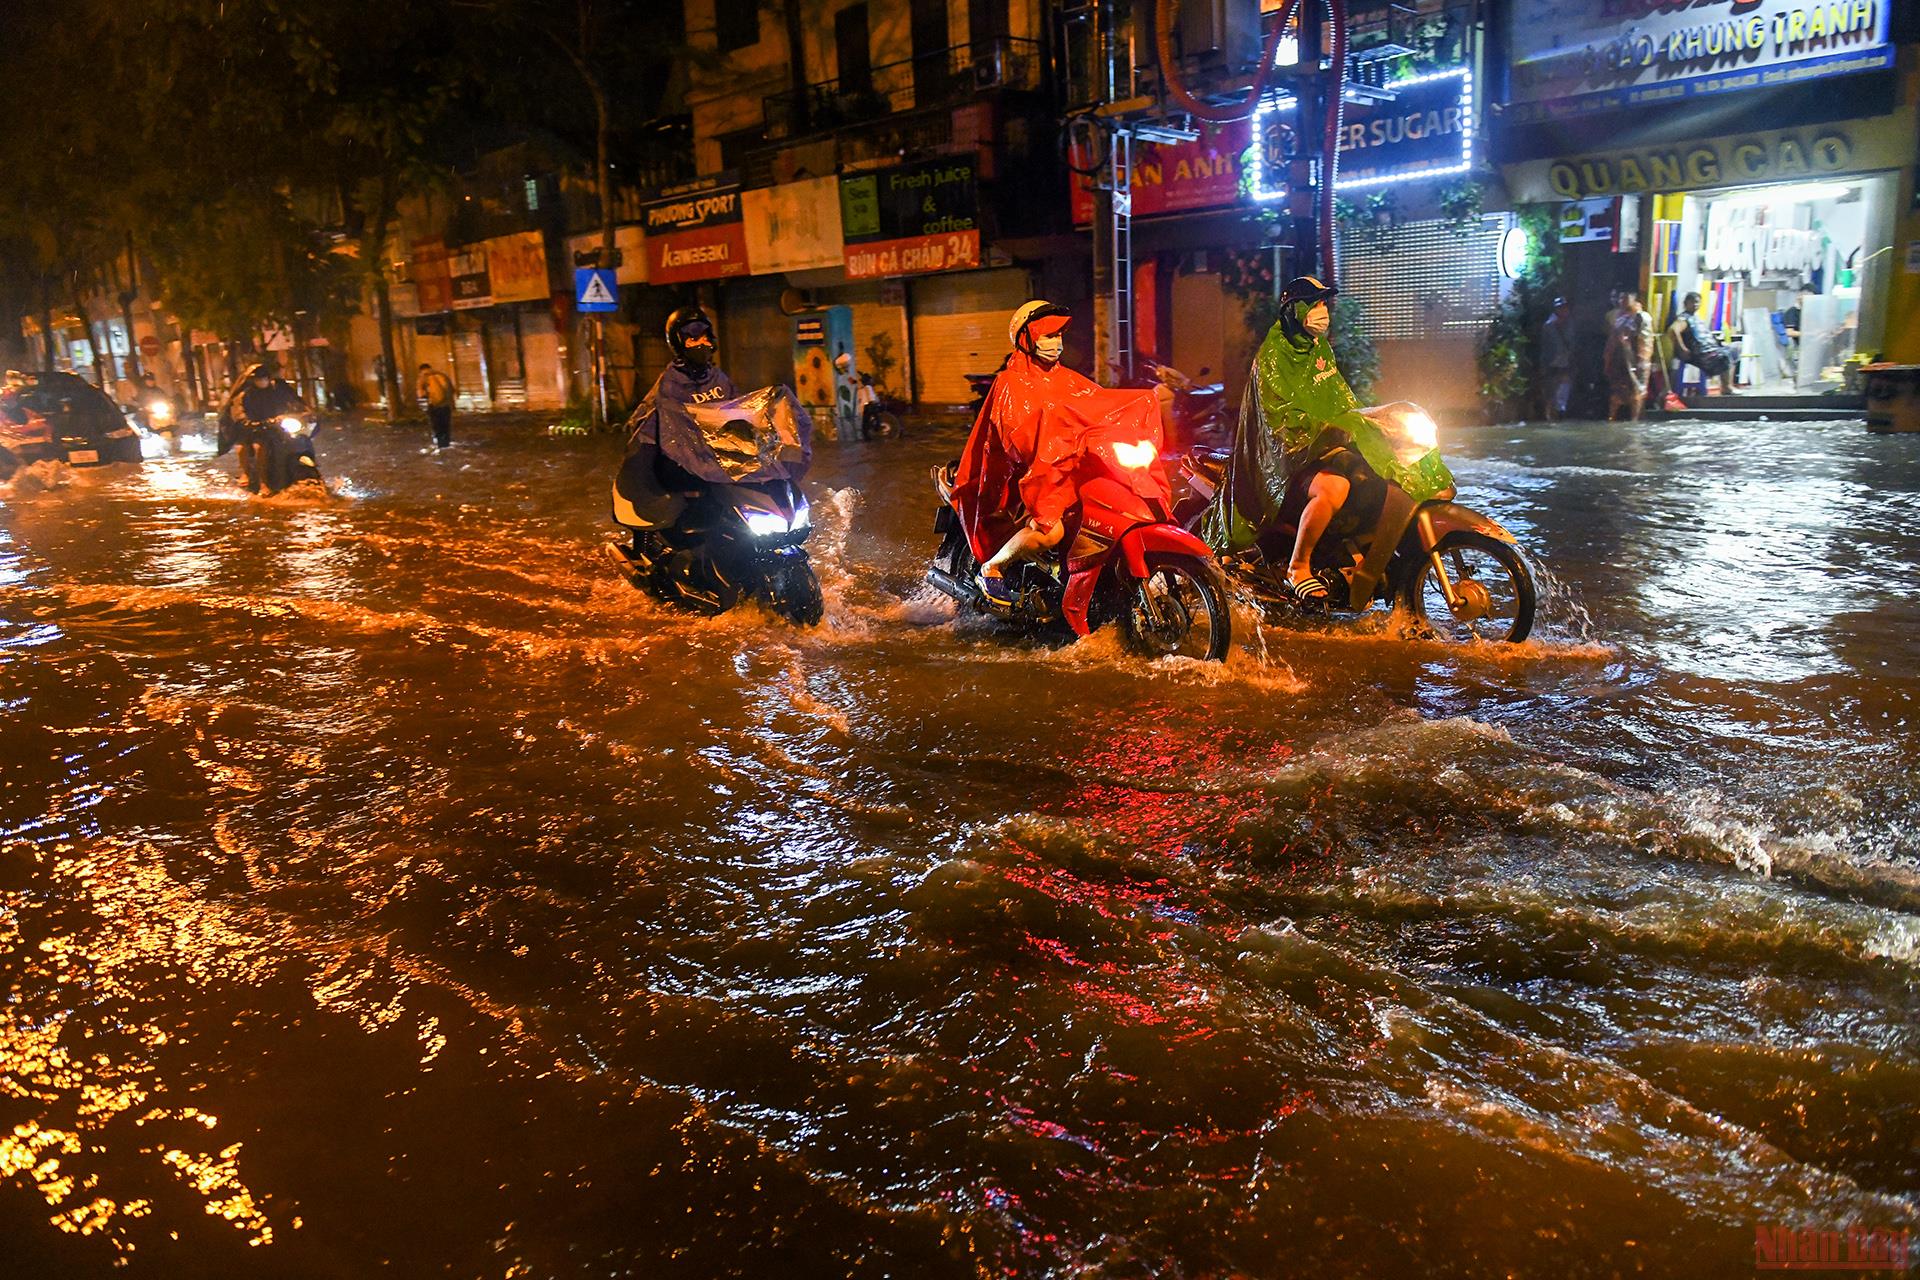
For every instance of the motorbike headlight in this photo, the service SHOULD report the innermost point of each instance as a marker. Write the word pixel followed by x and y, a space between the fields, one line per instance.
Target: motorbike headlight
pixel 292 425
pixel 1422 431
pixel 802 516
pixel 160 413
pixel 766 524
pixel 1135 456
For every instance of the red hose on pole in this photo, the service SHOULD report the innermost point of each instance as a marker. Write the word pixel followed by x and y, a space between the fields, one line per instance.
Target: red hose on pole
pixel 1167 12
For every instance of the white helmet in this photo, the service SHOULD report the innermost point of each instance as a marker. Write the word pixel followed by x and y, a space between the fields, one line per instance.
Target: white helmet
pixel 1029 312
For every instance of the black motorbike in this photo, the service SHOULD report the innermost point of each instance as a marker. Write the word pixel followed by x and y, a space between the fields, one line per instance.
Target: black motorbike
pixel 716 516
pixel 289 458
pixel 729 544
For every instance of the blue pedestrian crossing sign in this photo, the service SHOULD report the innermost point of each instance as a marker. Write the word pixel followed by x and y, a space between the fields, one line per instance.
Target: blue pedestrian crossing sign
pixel 594 289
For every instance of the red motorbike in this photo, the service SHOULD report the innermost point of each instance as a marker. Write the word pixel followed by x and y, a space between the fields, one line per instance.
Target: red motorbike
pixel 1123 559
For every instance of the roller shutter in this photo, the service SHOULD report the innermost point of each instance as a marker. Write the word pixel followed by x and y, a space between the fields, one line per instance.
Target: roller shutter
pixel 960 327
pixel 756 337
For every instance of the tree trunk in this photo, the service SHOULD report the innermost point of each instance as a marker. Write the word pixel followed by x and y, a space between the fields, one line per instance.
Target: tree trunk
pixel 127 296
pixel 374 248
pixel 93 339
pixel 46 326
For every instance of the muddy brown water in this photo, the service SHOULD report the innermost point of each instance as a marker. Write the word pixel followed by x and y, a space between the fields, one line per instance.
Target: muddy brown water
pixel 387 889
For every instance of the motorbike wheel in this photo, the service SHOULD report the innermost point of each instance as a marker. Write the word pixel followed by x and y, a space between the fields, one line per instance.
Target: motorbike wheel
pixel 1179 608
pixel 796 593
pixel 1497 596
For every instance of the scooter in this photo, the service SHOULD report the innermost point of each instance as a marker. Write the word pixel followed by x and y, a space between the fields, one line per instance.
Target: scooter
pixel 1456 571
pixel 1123 560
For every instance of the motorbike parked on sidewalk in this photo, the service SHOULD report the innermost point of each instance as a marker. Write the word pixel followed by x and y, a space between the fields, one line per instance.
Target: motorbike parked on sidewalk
pixel 1191 410
pixel 882 416
pixel 1450 567
pixel 1123 560
pixel 716 516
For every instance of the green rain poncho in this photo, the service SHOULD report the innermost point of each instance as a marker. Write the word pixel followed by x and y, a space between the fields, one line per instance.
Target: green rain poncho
pixel 1297 407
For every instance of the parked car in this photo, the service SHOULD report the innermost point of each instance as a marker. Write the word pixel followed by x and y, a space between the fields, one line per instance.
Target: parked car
pixel 63 418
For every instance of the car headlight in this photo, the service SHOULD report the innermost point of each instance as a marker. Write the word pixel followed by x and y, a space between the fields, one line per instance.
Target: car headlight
pixel 292 425
pixel 765 524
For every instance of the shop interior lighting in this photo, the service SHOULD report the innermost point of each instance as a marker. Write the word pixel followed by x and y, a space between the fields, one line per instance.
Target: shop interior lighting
pixel 1804 193
pixel 1273 186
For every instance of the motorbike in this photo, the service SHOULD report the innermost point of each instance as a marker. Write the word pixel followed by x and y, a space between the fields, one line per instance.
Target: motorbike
pixel 288 448
pixel 707 544
pixel 978 387
pixel 881 414
pixel 1123 560
pixel 1191 410
pixel 1455 570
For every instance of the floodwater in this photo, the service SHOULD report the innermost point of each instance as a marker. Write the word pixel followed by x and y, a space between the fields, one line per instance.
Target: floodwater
pixel 387 888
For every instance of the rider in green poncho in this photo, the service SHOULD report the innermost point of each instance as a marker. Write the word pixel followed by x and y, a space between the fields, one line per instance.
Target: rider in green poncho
pixel 1299 415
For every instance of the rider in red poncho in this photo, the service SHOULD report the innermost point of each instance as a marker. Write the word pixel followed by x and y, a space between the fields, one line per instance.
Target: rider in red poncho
pixel 1017 475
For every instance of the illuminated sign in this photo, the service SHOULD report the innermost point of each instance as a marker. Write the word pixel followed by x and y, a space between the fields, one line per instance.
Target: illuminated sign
pixel 1426 131
pixel 1576 56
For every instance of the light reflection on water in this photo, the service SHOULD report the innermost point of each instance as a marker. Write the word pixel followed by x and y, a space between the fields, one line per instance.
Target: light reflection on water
pixel 383 884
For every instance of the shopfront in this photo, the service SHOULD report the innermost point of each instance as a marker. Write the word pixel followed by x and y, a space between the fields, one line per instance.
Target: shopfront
pixel 1786 235
pixel 1752 156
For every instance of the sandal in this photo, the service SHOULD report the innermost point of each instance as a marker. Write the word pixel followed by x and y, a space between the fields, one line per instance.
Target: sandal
pixel 1311 592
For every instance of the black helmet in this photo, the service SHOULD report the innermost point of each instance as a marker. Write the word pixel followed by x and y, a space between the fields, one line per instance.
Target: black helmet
pixel 685 329
pixel 1301 289
pixel 261 369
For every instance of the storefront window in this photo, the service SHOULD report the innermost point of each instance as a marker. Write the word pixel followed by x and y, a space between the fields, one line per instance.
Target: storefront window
pixel 1796 273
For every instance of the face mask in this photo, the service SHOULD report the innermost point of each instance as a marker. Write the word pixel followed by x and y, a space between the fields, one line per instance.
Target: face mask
pixel 698 350
pixel 1049 349
pixel 1318 320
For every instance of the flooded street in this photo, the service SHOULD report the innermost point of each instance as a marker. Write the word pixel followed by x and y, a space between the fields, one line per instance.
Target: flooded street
pixel 387 887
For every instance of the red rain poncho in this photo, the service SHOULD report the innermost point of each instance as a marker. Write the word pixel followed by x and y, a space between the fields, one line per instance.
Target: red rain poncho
pixel 1021 460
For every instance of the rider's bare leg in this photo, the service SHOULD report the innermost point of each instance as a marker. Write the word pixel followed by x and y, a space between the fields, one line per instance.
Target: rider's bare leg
pixel 1027 542
pixel 252 470
pixel 1325 494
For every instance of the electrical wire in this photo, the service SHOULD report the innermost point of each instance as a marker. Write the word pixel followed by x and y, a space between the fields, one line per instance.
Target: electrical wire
pixel 1167 12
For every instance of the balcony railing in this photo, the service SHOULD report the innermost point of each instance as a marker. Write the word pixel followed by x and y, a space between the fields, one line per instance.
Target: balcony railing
pixel 944 78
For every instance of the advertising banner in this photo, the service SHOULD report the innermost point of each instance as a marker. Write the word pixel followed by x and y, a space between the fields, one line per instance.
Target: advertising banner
pixel 1571 57
pixel 1426 130
pixel 1175 177
pixel 1813 152
pixel 517 267
pixel 471 287
pixel 432 281
pixel 695 232
pixel 794 226
pixel 630 240
pixel 911 220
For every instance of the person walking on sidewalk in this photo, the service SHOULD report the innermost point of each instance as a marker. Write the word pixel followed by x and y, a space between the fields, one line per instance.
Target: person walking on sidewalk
pixel 436 392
